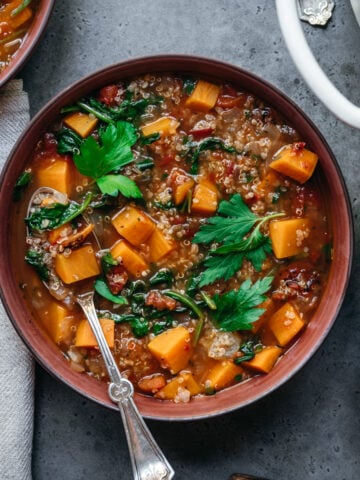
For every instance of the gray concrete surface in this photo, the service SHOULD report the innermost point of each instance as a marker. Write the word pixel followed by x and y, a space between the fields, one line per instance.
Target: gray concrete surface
pixel 309 428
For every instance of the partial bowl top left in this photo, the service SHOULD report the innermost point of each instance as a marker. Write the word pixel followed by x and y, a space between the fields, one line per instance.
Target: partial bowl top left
pixel 20 30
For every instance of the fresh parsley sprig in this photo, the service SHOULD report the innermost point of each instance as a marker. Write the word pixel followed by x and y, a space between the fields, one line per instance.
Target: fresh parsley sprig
pixel 111 154
pixel 238 229
pixel 238 309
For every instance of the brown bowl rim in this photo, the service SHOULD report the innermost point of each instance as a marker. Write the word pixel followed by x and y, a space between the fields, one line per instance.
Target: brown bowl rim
pixel 32 38
pixel 237 396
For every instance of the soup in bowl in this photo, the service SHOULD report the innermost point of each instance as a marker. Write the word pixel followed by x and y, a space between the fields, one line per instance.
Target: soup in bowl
pixel 193 198
pixel 21 25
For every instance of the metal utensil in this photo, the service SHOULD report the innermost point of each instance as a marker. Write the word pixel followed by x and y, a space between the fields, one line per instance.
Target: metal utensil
pixel 148 461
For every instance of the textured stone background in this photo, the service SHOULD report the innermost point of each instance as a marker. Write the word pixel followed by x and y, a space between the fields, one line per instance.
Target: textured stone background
pixel 310 427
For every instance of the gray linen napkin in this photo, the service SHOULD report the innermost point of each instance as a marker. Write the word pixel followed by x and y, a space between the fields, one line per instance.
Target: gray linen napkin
pixel 16 363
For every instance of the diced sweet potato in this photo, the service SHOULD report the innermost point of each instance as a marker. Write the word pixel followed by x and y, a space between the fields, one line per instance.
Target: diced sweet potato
pixel 181 183
pixel 55 174
pixel 264 360
pixel 160 245
pixel 288 236
pixel 78 265
pixel 133 224
pixel 268 183
pixel 180 389
pixel 172 348
pixel 21 18
pixel 285 324
pixel 203 97
pixel 223 373
pixel 59 232
pixel 295 161
pixel 82 123
pixel 205 198
pixel 59 322
pixel 164 125
pixel 85 337
pixel 152 383
pixel 129 257
pixel 67 237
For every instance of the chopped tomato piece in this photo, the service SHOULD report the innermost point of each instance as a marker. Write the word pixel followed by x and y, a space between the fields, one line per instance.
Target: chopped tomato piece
pixel 109 94
pixel 161 302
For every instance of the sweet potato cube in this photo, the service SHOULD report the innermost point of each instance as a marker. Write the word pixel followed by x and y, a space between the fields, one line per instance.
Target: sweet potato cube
pixel 172 348
pixel 59 322
pixel 180 191
pixel 59 232
pixel 152 383
pixel 79 265
pixel 206 198
pixel 268 183
pixel 288 236
pixel 180 389
pixel 21 18
pixel 181 183
pixel 164 125
pixel 222 374
pixel 129 257
pixel 204 96
pixel 56 174
pixel 264 360
pixel 160 245
pixel 285 323
pixel 85 337
pixel 133 224
pixel 295 162
pixel 82 123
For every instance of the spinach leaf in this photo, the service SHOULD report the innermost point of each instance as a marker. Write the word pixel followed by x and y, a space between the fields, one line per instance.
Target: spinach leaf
pixel 56 214
pixel 211 143
pixel 68 141
pixel 103 290
pixel 21 183
pixel 36 260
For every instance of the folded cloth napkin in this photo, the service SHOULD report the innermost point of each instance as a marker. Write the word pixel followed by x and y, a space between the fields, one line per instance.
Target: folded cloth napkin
pixel 16 363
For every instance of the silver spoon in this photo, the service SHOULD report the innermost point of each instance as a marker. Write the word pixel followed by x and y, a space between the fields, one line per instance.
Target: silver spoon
pixel 147 459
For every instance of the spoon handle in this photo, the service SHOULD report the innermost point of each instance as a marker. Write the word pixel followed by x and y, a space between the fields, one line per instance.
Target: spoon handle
pixel 148 461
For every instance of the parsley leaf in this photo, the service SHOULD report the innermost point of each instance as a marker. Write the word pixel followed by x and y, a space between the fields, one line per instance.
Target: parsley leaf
pixel 112 184
pixel 239 231
pixel 235 221
pixel 220 267
pixel 238 309
pixel 114 152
